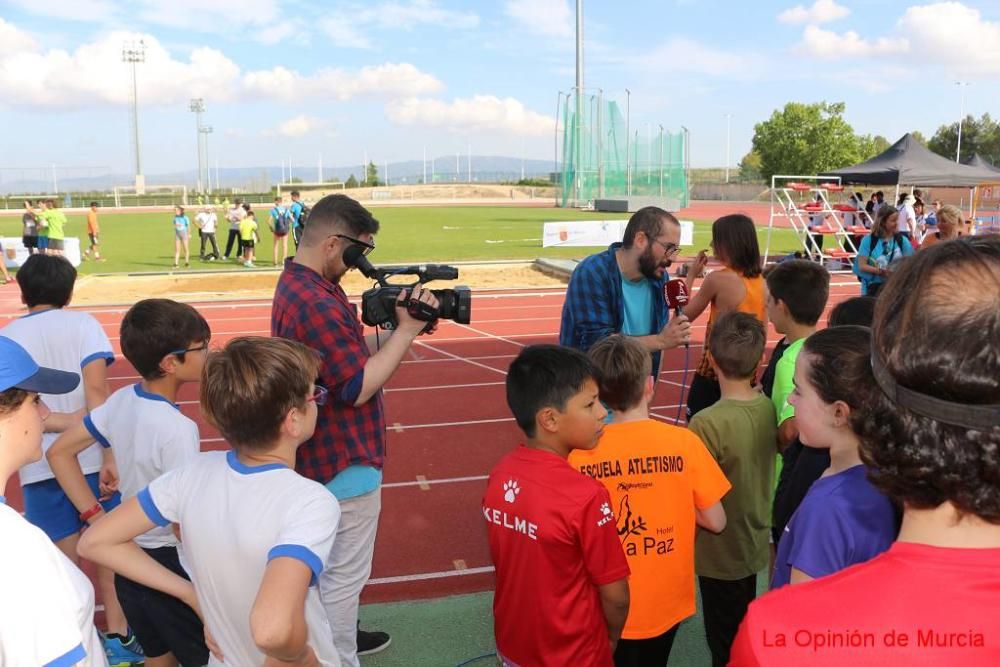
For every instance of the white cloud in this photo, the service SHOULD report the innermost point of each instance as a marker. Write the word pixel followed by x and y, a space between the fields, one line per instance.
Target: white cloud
pixel 828 45
pixel 478 113
pixel 347 29
pixel 15 40
pixel 387 80
pixel 955 35
pixel 297 126
pixel 551 18
pixel 822 11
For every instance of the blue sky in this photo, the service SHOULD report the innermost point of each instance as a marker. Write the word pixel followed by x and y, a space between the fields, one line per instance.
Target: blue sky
pixel 290 79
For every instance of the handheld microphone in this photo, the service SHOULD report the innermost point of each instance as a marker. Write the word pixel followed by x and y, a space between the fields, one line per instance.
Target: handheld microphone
pixel 675 293
pixel 354 256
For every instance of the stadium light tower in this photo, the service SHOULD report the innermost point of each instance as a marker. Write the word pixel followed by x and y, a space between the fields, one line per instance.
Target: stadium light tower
pixel 961 116
pixel 197 106
pixel 578 133
pixel 203 133
pixel 133 53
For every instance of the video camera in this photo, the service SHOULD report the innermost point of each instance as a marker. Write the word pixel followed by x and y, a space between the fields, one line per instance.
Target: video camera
pixel 378 305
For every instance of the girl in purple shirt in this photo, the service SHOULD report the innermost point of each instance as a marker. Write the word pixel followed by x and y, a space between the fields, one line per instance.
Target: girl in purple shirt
pixel 843 520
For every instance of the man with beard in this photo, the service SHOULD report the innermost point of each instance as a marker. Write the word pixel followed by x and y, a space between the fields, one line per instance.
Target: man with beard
pixel 620 290
pixel 347 450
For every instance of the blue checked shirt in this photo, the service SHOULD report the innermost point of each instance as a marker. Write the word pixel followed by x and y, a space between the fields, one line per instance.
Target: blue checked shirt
pixel 311 310
pixel 594 306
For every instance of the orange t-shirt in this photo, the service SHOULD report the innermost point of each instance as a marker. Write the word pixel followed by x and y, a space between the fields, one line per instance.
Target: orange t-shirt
pixel 657 474
pixel 752 303
pixel 92 227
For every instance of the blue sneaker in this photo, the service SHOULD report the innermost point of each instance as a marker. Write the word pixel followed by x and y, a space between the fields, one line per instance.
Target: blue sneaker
pixel 123 651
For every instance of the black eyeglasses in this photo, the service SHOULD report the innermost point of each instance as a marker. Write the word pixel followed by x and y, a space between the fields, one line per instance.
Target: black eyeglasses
pixel 668 248
pixel 367 245
pixel 199 348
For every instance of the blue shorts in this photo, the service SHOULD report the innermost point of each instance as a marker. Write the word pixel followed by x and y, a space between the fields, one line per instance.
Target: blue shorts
pixel 49 508
pixel 43 242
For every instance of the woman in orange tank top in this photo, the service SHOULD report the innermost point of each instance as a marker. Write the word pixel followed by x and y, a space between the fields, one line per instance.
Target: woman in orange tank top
pixel 738 286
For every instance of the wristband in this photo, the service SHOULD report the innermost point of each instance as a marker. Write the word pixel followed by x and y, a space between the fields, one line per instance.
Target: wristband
pixel 92 512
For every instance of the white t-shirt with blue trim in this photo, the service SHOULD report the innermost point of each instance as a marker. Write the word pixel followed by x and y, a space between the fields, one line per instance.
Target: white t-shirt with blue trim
pixel 66 340
pixel 46 602
pixel 149 437
pixel 234 519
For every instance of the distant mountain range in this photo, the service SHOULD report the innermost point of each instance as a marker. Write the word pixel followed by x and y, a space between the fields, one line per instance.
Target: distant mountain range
pixel 485 168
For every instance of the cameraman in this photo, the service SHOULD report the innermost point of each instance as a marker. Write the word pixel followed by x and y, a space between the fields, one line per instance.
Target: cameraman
pixel 346 452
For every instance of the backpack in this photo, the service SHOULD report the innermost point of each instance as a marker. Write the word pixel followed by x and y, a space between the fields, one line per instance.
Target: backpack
pixel 282 222
pixel 864 277
pixel 303 214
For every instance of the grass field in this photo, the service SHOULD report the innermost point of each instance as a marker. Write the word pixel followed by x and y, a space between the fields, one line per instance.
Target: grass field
pixel 143 242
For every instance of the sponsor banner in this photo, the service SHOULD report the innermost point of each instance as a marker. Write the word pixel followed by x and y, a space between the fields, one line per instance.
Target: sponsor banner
pixel 597 233
pixel 15 254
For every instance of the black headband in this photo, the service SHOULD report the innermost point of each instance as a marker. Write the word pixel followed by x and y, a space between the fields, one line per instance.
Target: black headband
pixel 975 417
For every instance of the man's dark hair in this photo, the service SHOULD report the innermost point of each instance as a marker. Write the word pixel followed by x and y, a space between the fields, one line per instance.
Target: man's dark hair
pixel 648 220
pixel 335 213
pixel 295 193
pixel 936 332
pixel 735 237
pixel 624 366
pixel 545 376
pixel 803 287
pixel 153 328
pixel 737 344
pixel 237 202
pixel 858 310
pixel 93 203
pixel 46 280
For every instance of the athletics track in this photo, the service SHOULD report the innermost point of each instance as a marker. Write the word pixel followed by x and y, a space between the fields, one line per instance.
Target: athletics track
pixel 447 421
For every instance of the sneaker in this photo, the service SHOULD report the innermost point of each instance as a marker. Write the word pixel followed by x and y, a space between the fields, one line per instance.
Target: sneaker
pixel 211 259
pixel 123 651
pixel 372 642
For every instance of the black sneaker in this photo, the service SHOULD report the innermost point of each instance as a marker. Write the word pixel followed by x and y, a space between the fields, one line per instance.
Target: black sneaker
pixel 372 642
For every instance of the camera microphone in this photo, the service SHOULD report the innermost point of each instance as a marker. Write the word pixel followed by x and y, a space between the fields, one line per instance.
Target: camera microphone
pixel 354 257
pixel 675 293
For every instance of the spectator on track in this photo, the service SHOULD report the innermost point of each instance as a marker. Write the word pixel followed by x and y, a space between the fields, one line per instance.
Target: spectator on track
pixel 29 229
pixel 279 223
pixel 73 341
pixel 93 233
pixel 255 561
pixel 552 531
pixel 738 286
pixel 675 499
pixel 881 251
pixel 142 426
pixel 234 216
pixel 55 223
pixel 297 211
pixel 949 224
pixel 347 452
pixel 182 234
pixel 47 605
pixel 620 290
pixel 248 238
pixel 206 222
pixel 929 436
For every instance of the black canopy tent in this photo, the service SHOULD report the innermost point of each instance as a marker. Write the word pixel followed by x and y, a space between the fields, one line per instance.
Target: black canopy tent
pixel 908 162
pixel 976 161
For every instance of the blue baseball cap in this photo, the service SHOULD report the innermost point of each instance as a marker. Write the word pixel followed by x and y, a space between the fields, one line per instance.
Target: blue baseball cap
pixel 19 371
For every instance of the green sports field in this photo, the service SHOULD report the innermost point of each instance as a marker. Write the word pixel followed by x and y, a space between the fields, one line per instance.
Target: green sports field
pixel 144 242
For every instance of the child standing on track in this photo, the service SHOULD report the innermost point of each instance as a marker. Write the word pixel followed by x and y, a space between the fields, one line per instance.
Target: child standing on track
pixel 142 426
pixel 256 534
pixel 182 233
pixel 93 231
pixel 663 483
pixel 562 590
pixel 279 224
pixel 248 237
pixel 47 605
pixel 75 342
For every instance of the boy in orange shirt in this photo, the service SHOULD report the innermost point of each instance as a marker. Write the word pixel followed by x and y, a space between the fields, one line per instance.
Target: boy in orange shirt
pixel 93 231
pixel 663 483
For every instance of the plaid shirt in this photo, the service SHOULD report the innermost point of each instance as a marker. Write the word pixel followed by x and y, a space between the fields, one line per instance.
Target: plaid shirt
pixel 594 306
pixel 312 310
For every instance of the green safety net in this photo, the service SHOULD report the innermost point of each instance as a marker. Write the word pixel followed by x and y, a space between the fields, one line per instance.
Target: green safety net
pixel 597 152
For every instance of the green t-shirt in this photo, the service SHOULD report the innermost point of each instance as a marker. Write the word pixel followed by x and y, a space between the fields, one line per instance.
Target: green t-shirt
pixel 57 222
pixel 783 383
pixel 741 435
pixel 43 216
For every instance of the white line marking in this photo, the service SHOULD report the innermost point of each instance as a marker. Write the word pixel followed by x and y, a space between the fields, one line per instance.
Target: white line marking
pixel 422 481
pixel 429 575
pixel 489 335
pixel 458 358
pixel 444 386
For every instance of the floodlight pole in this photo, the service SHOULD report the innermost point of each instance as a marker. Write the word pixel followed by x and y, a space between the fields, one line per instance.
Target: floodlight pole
pixel 961 116
pixel 628 152
pixel 729 118
pixel 661 160
pixel 203 133
pixel 197 106
pixel 133 53
pixel 578 131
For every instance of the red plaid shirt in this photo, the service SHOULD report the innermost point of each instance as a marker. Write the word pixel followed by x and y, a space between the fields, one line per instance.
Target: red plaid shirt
pixel 312 310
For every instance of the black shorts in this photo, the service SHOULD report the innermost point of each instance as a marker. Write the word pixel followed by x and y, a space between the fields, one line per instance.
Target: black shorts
pixel 247 245
pixel 162 623
pixel 94 239
pixel 29 241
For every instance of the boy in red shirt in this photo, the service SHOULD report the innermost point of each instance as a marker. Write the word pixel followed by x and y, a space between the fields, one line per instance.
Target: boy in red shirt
pixel 562 588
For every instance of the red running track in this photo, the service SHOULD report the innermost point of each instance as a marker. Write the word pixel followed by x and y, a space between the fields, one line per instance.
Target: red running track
pixel 448 424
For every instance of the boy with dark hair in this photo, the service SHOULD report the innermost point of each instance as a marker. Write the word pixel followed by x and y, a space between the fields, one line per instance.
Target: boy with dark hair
pixel 29 228
pixel 93 232
pixel 75 342
pixel 562 591
pixel 47 604
pixel 142 426
pixel 740 432
pixel 663 484
pixel 858 310
pixel 256 534
pixel 297 210
pixel 797 292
